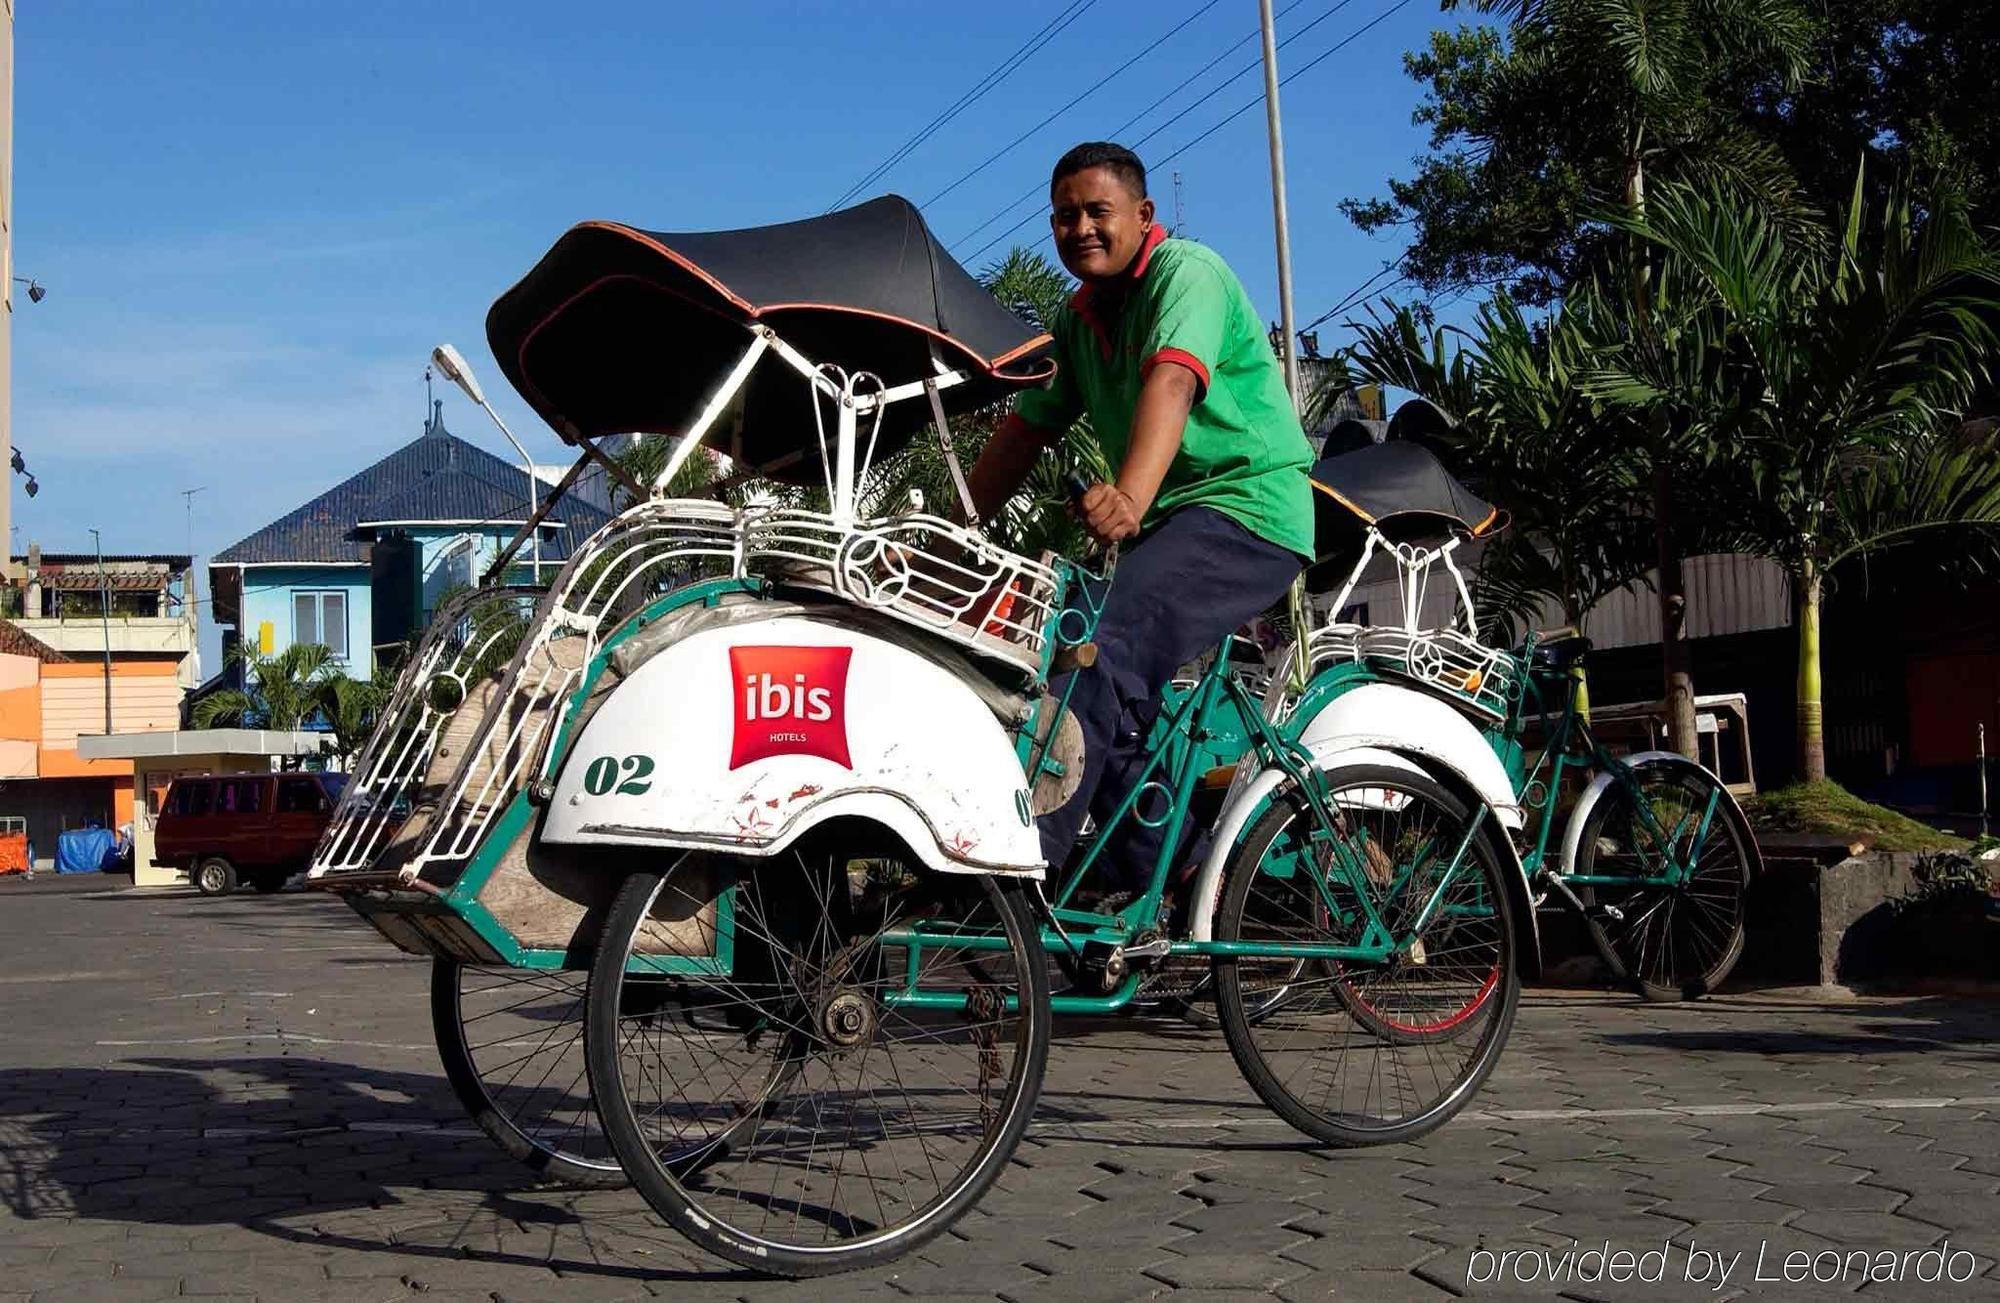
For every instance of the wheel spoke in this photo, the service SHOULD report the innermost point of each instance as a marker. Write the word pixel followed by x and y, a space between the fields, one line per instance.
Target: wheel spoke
pixel 1675 940
pixel 1355 1052
pixel 831 1123
pixel 522 1076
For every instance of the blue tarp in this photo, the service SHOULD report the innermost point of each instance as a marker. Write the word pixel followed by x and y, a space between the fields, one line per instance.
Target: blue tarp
pixel 86 850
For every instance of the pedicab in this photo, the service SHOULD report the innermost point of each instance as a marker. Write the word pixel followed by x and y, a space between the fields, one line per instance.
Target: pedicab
pixel 764 767
pixel 1656 855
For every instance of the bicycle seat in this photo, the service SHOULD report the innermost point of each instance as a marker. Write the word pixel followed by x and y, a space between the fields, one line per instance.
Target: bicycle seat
pixel 1563 653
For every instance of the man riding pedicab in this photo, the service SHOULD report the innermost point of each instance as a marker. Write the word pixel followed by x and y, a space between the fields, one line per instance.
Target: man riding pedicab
pixel 1164 351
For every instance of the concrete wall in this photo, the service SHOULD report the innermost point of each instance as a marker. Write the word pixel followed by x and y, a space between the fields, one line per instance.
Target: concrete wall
pixel 267 596
pixel 166 636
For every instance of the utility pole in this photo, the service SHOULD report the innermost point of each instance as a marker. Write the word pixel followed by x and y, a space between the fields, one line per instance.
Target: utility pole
pixel 1179 221
pixel 104 611
pixel 1299 607
pixel 191 586
pixel 1291 352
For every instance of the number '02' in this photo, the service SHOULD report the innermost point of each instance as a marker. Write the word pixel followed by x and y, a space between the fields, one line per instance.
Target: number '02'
pixel 603 776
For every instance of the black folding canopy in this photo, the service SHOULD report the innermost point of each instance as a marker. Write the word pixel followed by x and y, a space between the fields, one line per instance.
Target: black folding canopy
pixel 1400 488
pixel 620 330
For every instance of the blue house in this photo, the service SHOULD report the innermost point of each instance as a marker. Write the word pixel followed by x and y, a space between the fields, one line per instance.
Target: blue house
pixel 361 566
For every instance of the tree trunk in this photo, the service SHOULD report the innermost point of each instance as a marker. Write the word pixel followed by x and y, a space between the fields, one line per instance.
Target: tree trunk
pixel 1812 718
pixel 1678 696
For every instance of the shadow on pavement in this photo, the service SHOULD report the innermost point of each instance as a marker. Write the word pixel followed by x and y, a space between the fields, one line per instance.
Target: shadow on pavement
pixel 336 1155
pixel 1924 1025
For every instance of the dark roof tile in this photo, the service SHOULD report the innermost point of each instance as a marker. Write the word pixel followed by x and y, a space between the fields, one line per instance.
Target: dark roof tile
pixel 435 477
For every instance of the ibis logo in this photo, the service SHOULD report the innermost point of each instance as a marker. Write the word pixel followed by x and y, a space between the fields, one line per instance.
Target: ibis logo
pixel 790 701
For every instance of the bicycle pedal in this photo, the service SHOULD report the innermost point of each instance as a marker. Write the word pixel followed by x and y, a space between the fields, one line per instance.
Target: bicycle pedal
pixel 1417 955
pixel 1101 965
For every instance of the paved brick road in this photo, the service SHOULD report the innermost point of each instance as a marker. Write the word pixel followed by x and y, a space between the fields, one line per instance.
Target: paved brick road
pixel 239 1098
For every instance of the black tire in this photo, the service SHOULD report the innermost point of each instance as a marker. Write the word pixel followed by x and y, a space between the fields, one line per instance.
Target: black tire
pixel 1359 1055
pixel 214 876
pixel 1674 943
pixel 808 952
pixel 270 882
pixel 511 1041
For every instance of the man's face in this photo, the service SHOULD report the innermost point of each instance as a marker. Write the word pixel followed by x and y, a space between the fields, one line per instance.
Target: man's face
pixel 1099 223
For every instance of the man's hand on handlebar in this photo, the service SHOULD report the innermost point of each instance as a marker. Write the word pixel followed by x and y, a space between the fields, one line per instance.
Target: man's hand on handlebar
pixel 1107 512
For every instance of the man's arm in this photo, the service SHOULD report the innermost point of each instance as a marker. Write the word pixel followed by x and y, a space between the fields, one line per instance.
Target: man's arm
pixel 1166 396
pixel 1004 464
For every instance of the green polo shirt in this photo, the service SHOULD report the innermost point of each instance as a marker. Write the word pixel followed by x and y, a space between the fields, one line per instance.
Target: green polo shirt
pixel 1243 453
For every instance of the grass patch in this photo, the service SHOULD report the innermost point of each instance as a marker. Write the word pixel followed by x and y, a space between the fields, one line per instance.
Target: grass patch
pixel 1830 810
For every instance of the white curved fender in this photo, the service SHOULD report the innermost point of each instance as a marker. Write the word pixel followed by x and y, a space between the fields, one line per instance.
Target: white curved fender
pixel 745 737
pixel 1396 718
pixel 1573 830
pixel 1246 800
pixel 1378 724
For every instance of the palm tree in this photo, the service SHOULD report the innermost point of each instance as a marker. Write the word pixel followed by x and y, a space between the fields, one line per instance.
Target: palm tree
pixel 1645 67
pixel 1831 385
pixel 282 692
pixel 350 706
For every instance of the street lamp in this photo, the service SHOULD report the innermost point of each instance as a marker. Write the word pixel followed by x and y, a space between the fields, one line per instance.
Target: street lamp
pixel 104 610
pixel 453 367
pixel 36 290
pixel 21 468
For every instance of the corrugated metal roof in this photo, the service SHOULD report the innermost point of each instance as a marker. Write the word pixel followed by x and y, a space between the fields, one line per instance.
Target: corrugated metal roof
pixel 111 559
pixel 435 477
pixel 1726 593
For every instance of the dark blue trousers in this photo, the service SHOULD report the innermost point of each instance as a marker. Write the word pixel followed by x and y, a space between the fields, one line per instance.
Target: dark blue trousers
pixel 1177 593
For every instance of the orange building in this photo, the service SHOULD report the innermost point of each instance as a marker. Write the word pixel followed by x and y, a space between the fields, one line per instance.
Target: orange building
pixel 48 699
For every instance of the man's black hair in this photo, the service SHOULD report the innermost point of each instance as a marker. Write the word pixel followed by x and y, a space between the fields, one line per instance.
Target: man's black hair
pixel 1102 153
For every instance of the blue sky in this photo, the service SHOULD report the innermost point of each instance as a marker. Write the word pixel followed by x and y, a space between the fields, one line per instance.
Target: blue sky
pixel 255 218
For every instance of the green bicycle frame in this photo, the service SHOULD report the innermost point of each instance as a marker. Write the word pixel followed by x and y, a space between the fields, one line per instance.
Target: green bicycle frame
pixel 1571 745
pixel 1211 724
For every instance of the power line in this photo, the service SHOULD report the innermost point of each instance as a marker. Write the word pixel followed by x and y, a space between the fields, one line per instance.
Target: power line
pixel 1358 293
pixel 1286 80
pixel 1296 73
pixel 1158 41
pixel 1034 191
pixel 1252 66
pixel 1027 50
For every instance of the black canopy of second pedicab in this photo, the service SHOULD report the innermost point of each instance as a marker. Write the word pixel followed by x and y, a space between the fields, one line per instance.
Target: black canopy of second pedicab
pixel 1400 488
pixel 620 330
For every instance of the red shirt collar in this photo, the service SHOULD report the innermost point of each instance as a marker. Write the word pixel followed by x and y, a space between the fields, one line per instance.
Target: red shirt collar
pixel 1083 301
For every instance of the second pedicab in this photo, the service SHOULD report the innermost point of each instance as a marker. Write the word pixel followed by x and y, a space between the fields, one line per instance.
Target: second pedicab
pixel 767 775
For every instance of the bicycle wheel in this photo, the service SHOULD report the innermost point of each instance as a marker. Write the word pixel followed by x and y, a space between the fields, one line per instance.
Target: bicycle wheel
pixel 1675 941
pixel 851 1129
pixel 511 1040
pixel 1357 1054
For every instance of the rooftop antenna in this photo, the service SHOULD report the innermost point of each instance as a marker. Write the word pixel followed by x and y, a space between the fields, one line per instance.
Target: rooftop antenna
pixel 187 495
